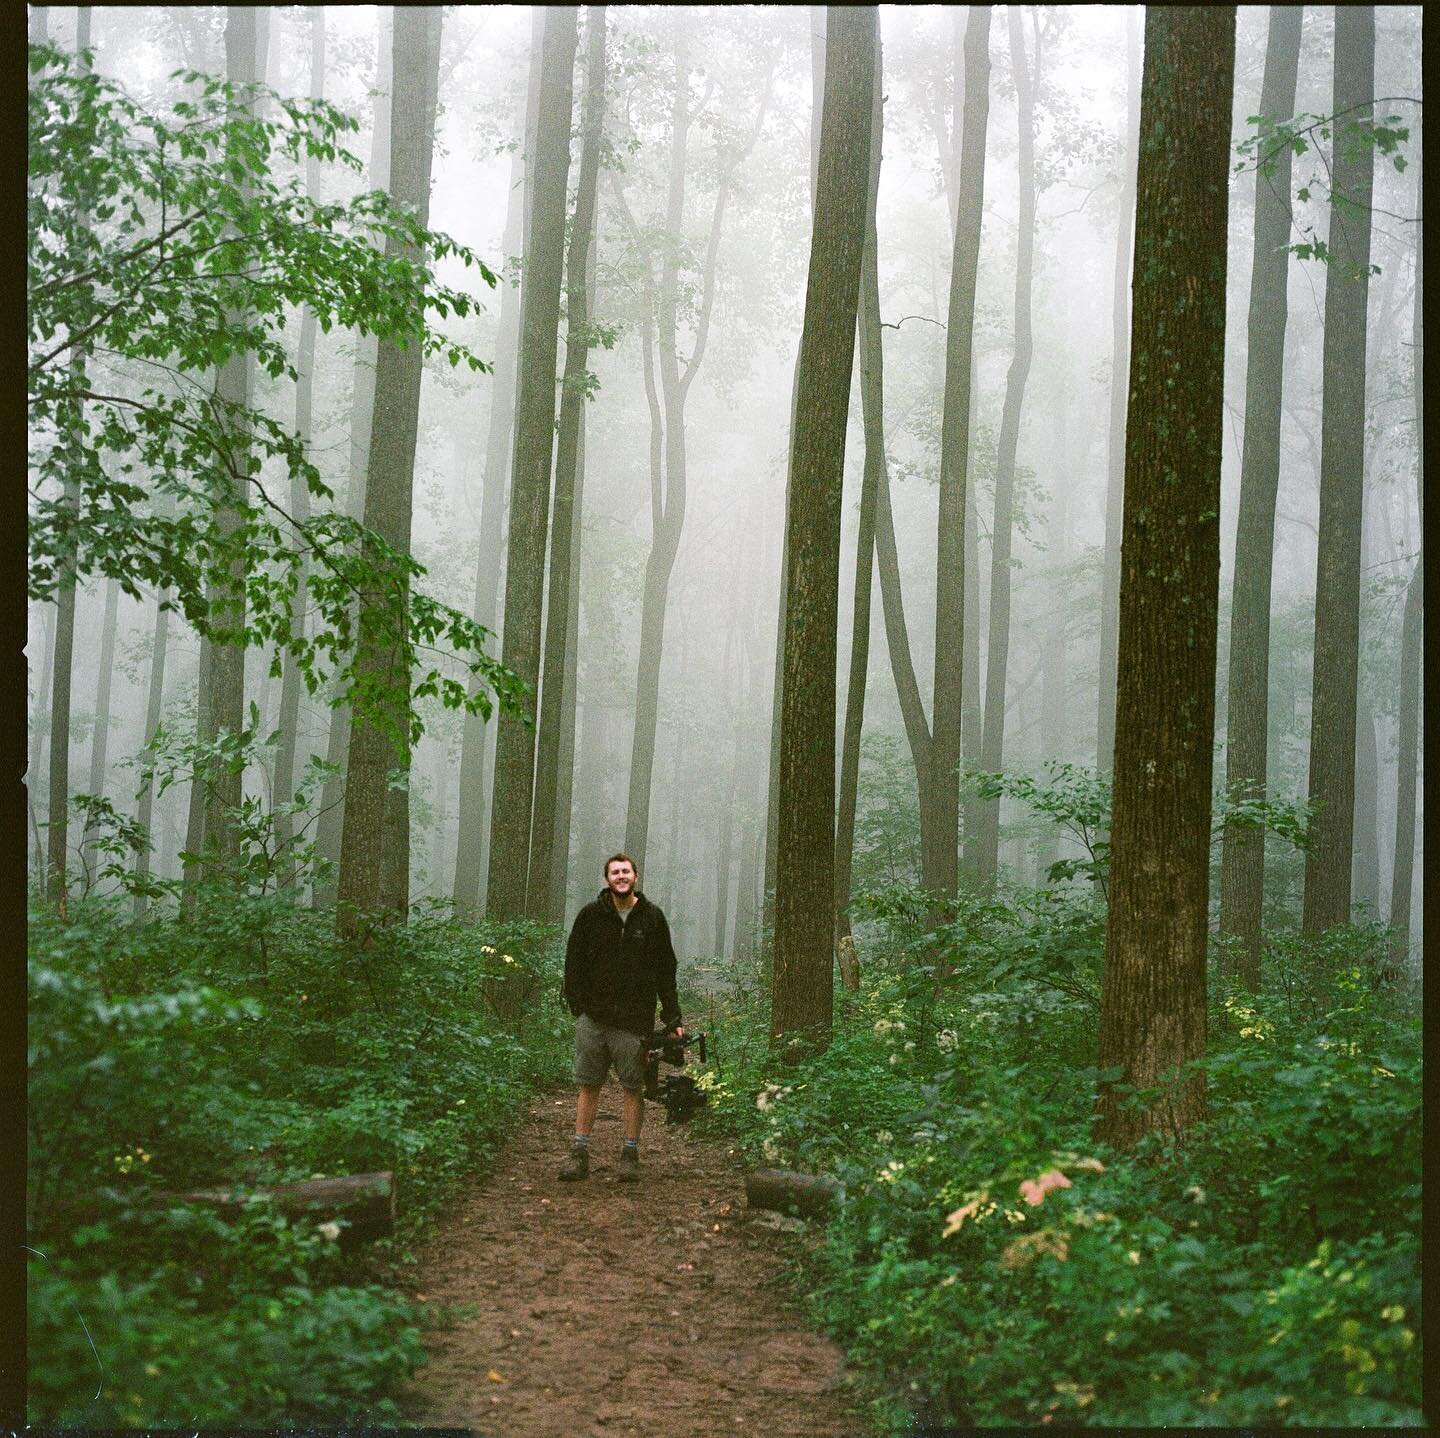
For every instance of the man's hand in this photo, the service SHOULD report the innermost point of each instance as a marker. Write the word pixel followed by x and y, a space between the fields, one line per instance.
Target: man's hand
pixel 678 1030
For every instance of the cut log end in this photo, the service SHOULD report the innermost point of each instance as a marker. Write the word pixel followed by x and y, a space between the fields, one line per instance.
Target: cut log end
pixel 783 1191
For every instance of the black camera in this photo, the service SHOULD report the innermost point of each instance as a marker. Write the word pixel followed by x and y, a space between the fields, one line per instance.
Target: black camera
pixel 680 1094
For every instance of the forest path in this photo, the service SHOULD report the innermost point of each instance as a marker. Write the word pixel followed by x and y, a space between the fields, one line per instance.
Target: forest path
pixel 610 1308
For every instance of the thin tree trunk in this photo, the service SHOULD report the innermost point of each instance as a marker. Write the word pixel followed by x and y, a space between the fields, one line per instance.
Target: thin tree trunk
pixel 1408 740
pixel 941 857
pixel 1152 1003
pixel 1119 366
pixel 290 681
pixel 476 743
pixel 542 900
pixel 100 737
pixel 39 729
pixel 154 702
pixel 1342 466
pixel 997 655
pixel 362 413
pixel 565 779
pixel 872 402
pixel 375 837
pixel 1054 671
pixel 59 788
pixel 805 873
pixel 513 793
pixel 1365 869
pixel 1242 862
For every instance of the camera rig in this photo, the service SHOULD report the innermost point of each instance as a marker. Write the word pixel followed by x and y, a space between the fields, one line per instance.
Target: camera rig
pixel 680 1094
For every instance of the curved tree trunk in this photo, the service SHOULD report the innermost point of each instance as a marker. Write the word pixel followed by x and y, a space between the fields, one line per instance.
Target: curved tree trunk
pixel 1152 1003
pixel 154 702
pixel 1342 468
pixel 1242 862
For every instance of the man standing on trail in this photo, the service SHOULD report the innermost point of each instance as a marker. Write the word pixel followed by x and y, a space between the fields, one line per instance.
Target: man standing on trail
pixel 618 962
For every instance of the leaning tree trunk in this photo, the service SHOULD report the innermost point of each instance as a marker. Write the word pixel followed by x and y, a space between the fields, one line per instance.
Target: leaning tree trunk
pixel 1152 1003
pixel 872 401
pixel 362 413
pixel 997 653
pixel 476 745
pixel 1115 449
pixel 940 798
pixel 805 874
pixel 1242 861
pixel 374 845
pixel 1342 467
pixel 513 794
pixel 154 702
pixel 542 900
pixel 290 679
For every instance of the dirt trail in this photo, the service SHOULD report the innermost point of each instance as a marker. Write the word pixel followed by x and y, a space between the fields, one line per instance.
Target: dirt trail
pixel 611 1308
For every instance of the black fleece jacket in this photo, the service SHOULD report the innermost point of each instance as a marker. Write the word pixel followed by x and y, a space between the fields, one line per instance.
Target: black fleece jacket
pixel 615 971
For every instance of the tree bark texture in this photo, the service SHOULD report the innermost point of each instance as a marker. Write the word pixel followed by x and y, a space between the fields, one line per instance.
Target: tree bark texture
pixel 1342 467
pixel 100 736
pixel 941 797
pixel 997 653
pixel 513 792
pixel 375 837
pixel 362 411
pixel 1119 365
pixel 1242 862
pixel 542 899
pixel 805 873
pixel 1054 668
pixel 154 707
pixel 872 402
pixel 476 744
pixel 1152 1007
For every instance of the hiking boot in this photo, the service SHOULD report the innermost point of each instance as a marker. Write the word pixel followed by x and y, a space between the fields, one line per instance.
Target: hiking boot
pixel 577 1165
pixel 628 1169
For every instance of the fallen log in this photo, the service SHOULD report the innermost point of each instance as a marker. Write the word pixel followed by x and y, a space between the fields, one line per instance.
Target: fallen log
pixel 366 1201
pixel 809 1195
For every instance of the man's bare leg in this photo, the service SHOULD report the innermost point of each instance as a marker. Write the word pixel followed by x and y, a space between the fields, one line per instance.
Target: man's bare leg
pixel 634 1113
pixel 585 1105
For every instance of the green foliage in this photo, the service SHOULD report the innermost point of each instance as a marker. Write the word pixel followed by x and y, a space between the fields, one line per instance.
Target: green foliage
pixel 244 1047
pixel 160 247
pixel 991 1265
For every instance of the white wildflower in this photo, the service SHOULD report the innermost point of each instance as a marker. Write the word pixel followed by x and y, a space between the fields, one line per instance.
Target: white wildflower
pixel 330 1231
pixel 947 1041
pixel 885 1137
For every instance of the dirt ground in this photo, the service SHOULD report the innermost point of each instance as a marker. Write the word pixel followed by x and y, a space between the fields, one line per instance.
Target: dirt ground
pixel 609 1309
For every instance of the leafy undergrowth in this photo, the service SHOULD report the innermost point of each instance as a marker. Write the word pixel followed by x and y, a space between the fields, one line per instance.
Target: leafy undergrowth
pixel 991 1264
pixel 244 1046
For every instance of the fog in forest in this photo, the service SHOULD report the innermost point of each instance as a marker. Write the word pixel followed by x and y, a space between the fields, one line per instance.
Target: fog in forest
pixel 699 283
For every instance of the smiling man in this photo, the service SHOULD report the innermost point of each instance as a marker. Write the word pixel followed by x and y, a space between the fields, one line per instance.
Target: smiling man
pixel 618 962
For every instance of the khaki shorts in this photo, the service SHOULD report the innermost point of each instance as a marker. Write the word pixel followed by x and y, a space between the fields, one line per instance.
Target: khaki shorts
pixel 597 1047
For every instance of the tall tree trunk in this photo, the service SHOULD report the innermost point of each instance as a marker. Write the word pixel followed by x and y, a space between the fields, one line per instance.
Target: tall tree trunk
pixel 565 785
pixel 375 837
pixel 362 413
pixel 39 728
pixel 154 702
pixel 1242 861
pixel 513 794
pixel 100 736
pixel 1152 1003
pixel 997 654
pixel 872 403
pixel 941 797
pixel 59 787
pixel 476 744
pixel 772 784
pixel 543 901
pixel 290 680
pixel 1119 366
pixel 805 873
pixel 1408 740
pixel 1365 868
pixel 1342 466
